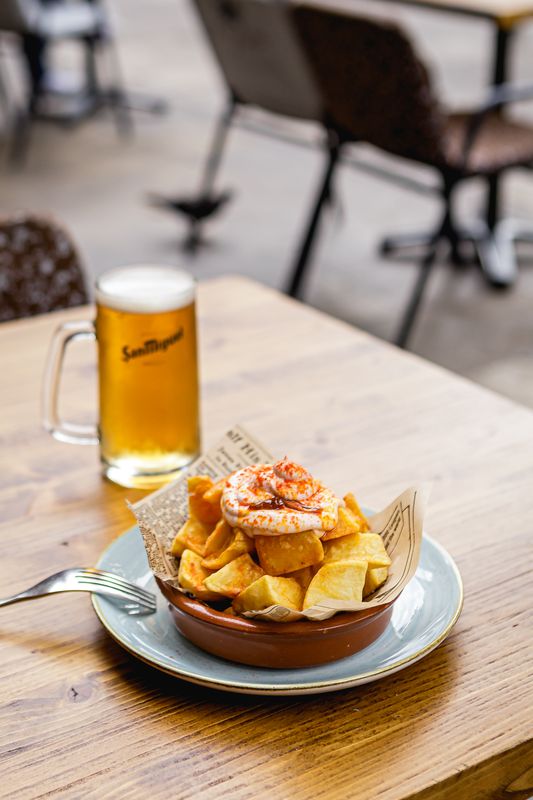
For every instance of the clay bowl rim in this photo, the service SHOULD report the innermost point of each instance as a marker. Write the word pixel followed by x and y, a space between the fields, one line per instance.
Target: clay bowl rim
pixel 205 613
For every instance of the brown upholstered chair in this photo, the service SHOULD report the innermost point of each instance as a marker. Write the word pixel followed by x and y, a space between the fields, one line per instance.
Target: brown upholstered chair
pixel 376 90
pixel 40 269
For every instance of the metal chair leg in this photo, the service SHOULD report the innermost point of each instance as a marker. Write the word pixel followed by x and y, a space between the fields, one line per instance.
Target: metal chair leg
pixel 413 306
pixel 214 158
pixel 117 97
pixel 495 251
pixel 446 231
pixel 294 288
pixel 4 96
pixel 17 124
pixel 492 211
pixel 20 139
pixel 92 84
pixel 391 244
pixel 399 246
pixel 205 203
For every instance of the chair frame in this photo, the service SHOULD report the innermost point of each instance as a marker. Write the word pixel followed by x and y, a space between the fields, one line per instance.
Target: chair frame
pixel 490 239
pixel 493 240
pixel 446 232
pixel 121 102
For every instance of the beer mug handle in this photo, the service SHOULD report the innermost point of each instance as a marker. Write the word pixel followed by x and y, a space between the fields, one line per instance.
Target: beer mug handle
pixel 60 429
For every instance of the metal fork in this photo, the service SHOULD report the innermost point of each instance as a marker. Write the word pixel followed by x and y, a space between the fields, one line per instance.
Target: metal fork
pixel 135 600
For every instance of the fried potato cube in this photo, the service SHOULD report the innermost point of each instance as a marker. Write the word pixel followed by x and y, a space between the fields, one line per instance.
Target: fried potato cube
pixel 199 507
pixel 337 580
pixel 180 543
pixel 232 579
pixel 191 576
pixel 219 538
pixel 303 576
pixel 193 535
pixel 374 579
pixel 237 544
pixel 354 506
pixel 198 485
pixel 214 494
pixel 269 591
pixel 372 549
pixel 345 547
pixel 347 523
pixel 366 546
pixel 288 552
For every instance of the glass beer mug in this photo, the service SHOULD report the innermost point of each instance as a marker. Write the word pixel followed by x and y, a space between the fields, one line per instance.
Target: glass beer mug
pixel 145 329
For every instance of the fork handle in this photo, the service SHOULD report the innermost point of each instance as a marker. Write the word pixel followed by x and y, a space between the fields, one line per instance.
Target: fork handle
pixel 17 598
pixel 42 589
pixel 38 590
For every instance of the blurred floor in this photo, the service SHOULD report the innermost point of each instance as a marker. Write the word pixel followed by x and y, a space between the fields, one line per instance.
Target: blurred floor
pixel 96 184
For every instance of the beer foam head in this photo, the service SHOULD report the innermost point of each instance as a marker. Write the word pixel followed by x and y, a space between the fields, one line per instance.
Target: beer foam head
pixel 145 289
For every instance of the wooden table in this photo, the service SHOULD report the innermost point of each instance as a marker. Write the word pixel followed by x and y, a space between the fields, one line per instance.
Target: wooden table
pixel 505 13
pixel 79 718
pixel 505 16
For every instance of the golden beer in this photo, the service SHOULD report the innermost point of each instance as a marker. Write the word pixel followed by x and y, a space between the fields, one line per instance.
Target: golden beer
pixel 148 373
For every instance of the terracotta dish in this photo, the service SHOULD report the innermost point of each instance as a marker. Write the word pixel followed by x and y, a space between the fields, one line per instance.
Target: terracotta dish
pixel 274 644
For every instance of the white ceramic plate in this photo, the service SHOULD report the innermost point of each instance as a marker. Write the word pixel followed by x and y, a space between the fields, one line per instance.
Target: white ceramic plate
pixel 422 618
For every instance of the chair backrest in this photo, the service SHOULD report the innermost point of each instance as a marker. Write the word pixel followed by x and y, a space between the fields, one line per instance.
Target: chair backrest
pixel 18 16
pixel 374 87
pixel 261 56
pixel 40 270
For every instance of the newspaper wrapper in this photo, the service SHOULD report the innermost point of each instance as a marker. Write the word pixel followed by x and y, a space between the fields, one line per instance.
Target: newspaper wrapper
pixel 160 516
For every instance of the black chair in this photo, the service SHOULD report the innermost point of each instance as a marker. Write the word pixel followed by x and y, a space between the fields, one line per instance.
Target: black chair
pixel 86 22
pixel 362 81
pixel 264 67
pixel 81 21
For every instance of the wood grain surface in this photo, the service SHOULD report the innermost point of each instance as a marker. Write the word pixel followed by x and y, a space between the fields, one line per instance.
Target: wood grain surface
pixel 505 13
pixel 79 718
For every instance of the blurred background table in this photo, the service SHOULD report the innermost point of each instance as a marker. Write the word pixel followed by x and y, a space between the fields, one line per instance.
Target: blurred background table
pixel 81 718
pixel 504 14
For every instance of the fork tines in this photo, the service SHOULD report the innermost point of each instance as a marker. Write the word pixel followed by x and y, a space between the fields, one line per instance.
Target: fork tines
pixel 99 578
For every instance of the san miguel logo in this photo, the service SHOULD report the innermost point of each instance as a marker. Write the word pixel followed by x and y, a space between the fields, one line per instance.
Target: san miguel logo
pixel 151 346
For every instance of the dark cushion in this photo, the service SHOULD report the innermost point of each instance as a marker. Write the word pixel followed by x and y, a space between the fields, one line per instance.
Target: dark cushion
pixel 500 143
pixel 40 269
